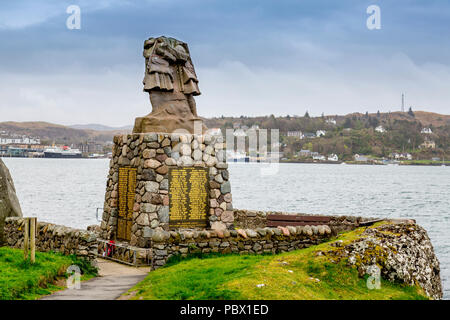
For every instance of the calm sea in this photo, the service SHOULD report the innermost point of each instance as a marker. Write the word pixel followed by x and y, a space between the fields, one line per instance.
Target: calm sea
pixel 69 191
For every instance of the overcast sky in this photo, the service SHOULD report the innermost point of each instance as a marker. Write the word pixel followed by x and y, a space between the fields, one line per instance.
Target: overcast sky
pixel 252 57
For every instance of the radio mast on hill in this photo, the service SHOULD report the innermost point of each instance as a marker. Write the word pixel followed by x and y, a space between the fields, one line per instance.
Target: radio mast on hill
pixel 403 102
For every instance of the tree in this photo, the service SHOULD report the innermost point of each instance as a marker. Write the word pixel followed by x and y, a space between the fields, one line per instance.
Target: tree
pixel 373 122
pixel 410 112
pixel 378 113
pixel 348 123
pixel 228 124
pixel 306 114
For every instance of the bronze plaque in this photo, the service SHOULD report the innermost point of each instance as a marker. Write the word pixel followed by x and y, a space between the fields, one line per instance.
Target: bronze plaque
pixel 188 195
pixel 127 190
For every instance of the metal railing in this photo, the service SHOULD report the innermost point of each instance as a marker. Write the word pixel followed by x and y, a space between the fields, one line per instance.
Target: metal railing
pixel 96 214
pixel 126 247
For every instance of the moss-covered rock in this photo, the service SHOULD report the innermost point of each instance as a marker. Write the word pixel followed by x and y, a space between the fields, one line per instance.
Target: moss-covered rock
pixel 401 252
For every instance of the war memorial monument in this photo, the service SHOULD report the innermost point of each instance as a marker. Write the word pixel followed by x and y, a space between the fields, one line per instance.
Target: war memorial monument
pixel 169 173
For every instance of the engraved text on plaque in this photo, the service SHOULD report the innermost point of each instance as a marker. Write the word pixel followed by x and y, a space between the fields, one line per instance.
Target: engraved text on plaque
pixel 127 190
pixel 188 195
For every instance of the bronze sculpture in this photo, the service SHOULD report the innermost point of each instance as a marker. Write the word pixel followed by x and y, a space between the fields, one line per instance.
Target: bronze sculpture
pixel 172 83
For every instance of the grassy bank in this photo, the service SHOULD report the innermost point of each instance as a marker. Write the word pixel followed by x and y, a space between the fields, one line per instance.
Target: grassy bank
pixel 297 275
pixel 19 279
pixel 425 163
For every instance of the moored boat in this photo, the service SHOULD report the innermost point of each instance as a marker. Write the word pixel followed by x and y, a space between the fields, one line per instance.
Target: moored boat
pixel 64 152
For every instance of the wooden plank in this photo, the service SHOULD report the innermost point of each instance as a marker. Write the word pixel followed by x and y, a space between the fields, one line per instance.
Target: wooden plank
pixel 33 222
pixel 281 217
pixel 369 223
pixel 26 240
pixel 292 223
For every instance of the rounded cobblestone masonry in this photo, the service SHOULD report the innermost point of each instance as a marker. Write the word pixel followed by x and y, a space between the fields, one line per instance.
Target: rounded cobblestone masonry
pixel 243 241
pixel 51 237
pixel 153 154
pixel 126 254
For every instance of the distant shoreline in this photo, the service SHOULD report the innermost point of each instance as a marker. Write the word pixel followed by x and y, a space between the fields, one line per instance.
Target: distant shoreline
pixel 54 158
pixel 447 163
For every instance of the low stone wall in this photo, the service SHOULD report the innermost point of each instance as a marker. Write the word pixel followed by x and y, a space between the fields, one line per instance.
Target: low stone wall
pixel 241 241
pixel 124 253
pixel 51 237
pixel 251 219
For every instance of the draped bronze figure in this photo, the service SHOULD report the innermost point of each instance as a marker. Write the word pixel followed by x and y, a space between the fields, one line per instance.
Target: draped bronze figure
pixel 172 83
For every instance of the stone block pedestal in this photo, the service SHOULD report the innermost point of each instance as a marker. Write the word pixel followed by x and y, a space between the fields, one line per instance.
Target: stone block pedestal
pixel 164 182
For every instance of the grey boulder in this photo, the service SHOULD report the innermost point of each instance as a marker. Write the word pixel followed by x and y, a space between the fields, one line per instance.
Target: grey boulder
pixel 9 204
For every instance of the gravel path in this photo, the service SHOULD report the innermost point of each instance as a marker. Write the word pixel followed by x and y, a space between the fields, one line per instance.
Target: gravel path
pixel 114 279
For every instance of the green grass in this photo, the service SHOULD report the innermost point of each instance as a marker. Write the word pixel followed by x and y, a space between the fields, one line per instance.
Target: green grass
pixel 19 279
pixel 425 162
pixel 287 276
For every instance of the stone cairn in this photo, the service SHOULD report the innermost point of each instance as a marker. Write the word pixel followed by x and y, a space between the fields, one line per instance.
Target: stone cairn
pixel 139 202
pixel 153 155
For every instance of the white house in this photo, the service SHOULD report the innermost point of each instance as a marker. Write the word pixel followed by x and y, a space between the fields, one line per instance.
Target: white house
pixel 215 131
pixel 239 133
pixel 304 153
pixel 296 134
pixel 380 129
pixel 309 135
pixel 428 144
pixel 400 156
pixel 319 157
pixel 31 140
pixel 19 140
pixel 333 157
pixel 395 155
pixel 320 133
pixel 426 131
pixel 331 121
pixel 235 156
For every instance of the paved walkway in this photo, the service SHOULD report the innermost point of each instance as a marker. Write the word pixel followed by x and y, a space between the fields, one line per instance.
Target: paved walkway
pixel 114 279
